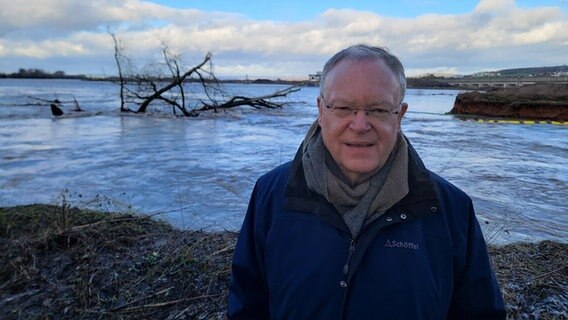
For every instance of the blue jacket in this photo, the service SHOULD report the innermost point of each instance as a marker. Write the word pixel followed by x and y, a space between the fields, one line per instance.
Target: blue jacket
pixel 424 259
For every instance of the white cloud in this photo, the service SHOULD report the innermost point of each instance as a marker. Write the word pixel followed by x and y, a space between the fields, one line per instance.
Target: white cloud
pixel 494 6
pixel 485 38
pixel 43 50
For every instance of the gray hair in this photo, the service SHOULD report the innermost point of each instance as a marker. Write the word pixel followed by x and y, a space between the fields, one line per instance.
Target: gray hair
pixel 360 52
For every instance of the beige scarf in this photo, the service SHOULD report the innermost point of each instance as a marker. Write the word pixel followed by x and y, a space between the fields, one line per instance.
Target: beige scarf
pixel 365 202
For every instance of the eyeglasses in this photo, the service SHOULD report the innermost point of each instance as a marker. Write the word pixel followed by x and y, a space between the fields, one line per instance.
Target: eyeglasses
pixel 379 112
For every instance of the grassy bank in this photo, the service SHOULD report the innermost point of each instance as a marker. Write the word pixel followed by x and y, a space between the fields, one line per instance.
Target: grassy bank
pixel 58 262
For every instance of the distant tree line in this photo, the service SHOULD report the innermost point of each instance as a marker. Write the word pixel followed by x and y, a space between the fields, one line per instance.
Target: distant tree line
pixel 429 81
pixel 40 74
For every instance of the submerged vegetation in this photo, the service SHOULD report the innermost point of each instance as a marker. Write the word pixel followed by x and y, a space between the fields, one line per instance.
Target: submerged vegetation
pixel 58 262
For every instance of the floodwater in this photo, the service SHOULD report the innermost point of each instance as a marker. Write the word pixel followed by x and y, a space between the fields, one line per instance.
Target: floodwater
pixel 199 172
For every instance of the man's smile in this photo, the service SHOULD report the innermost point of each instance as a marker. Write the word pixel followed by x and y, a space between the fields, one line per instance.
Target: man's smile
pixel 359 144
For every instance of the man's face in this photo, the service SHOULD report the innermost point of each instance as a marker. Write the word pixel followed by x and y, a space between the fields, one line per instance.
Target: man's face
pixel 359 143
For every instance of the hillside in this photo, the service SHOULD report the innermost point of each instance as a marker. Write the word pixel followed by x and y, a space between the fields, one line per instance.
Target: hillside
pixel 534 71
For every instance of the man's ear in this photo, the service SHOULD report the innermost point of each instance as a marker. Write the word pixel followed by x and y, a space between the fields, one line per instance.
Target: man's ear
pixel 403 108
pixel 320 109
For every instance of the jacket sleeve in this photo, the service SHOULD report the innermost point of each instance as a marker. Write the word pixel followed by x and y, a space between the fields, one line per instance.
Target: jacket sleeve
pixel 248 298
pixel 476 293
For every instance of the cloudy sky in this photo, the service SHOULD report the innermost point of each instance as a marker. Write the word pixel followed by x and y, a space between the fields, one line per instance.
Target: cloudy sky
pixel 282 39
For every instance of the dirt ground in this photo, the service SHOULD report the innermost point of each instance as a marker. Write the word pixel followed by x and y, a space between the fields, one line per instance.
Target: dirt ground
pixel 58 262
pixel 539 102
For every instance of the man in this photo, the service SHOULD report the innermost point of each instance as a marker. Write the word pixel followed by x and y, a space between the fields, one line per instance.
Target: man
pixel 355 227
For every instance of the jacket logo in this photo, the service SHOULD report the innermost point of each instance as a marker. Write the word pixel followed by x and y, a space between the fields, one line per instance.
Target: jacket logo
pixel 402 245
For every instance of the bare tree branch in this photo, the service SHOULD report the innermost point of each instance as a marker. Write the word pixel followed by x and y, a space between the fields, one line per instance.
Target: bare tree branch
pixel 166 83
pixel 255 102
pixel 175 82
pixel 117 58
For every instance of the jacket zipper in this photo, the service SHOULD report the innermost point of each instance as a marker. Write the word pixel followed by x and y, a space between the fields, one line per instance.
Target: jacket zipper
pixel 349 256
pixel 346 267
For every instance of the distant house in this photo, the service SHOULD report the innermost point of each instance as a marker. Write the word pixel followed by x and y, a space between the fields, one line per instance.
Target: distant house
pixel 315 78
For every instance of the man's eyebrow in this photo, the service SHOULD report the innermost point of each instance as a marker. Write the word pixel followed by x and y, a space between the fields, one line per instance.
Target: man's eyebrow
pixel 346 101
pixel 381 103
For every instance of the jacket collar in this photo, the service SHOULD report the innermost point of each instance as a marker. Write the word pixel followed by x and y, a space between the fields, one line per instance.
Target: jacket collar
pixel 422 198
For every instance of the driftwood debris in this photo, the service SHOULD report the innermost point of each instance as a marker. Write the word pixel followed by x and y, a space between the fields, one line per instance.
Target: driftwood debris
pixel 56 105
pixel 55 110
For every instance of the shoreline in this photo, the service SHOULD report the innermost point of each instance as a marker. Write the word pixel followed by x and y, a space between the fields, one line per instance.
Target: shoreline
pixel 67 263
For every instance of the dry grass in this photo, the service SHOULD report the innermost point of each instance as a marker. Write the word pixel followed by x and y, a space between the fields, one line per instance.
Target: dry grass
pixel 58 262
pixel 64 263
pixel 533 278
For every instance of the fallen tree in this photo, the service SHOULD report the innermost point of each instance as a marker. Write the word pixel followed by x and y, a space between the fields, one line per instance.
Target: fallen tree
pixel 164 85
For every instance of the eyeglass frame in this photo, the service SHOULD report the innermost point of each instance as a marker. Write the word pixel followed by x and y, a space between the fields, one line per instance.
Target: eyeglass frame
pixel 367 110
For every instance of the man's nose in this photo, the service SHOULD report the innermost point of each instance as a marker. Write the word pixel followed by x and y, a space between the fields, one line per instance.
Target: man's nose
pixel 360 121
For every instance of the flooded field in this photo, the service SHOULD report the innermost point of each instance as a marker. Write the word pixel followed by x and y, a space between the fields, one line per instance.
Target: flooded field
pixel 198 173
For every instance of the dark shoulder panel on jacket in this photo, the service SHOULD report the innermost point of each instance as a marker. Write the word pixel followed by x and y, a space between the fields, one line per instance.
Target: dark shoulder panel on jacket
pixel 447 187
pixel 275 177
